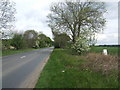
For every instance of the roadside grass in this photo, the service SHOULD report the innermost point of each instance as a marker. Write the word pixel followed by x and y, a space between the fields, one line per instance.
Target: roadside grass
pixel 10 52
pixel 64 70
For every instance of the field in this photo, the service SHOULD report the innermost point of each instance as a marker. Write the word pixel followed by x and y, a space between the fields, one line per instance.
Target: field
pixel 111 50
pixel 65 70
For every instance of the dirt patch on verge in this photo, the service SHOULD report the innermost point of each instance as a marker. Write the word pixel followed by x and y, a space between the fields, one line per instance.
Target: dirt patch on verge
pixel 101 63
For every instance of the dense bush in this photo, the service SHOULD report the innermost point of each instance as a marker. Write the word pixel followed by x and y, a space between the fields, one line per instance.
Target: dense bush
pixel 30 36
pixel 18 41
pixel 61 40
pixel 43 41
pixel 6 43
pixel 81 45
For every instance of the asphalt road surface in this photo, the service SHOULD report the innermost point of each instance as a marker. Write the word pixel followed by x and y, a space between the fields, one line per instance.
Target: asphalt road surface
pixel 22 70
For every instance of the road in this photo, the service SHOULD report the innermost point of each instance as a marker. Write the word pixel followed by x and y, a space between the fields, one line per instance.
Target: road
pixel 22 70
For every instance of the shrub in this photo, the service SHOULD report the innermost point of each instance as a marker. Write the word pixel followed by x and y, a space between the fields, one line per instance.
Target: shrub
pixel 6 44
pixel 81 45
pixel 18 41
pixel 30 36
pixel 61 40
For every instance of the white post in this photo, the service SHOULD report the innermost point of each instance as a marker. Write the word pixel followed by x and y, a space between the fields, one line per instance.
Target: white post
pixel 105 52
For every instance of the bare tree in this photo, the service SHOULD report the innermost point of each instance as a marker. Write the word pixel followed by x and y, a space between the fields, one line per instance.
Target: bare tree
pixel 7 12
pixel 78 19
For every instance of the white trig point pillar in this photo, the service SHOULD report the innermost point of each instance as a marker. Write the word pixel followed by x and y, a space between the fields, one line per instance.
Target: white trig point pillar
pixel 105 52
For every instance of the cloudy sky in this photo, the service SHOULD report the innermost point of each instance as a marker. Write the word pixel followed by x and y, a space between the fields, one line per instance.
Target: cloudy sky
pixel 31 14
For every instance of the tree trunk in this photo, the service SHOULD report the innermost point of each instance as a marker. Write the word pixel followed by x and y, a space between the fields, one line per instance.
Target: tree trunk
pixel 74 33
pixel 73 40
pixel 78 31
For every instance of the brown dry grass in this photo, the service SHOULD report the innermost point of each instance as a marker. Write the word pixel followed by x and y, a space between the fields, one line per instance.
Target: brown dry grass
pixel 101 63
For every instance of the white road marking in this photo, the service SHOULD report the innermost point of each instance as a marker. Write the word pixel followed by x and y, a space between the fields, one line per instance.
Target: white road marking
pixel 23 57
pixel 11 69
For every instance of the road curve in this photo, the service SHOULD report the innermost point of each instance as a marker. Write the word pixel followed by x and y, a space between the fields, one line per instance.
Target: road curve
pixel 22 70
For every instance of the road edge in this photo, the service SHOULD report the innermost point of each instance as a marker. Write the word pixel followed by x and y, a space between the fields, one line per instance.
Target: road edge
pixel 42 67
pixel 33 78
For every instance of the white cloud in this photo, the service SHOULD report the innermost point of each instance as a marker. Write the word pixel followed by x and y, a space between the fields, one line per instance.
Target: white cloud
pixel 111 38
pixel 110 33
pixel 31 14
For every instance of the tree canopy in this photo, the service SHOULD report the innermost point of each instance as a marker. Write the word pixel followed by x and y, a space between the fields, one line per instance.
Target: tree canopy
pixel 78 19
pixel 30 36
pixel 7 12
pixel 17 41
pixel 43 40
pixel 61 40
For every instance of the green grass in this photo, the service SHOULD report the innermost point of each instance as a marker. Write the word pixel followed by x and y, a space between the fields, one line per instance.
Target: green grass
pixel 111 50
pixel 10 52
pixel 74 76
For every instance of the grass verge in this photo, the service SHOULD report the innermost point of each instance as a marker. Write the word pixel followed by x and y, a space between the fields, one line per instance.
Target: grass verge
pixel 10 52
pixel 64 70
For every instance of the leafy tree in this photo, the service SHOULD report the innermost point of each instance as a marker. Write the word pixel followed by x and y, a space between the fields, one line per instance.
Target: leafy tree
pixel 7 12
pixel 17 41
pixel 41 39
pixel 30 37
pixel 48 41
pixel 44 41
pixel 77 18
pixel 6 43
pixel 61 40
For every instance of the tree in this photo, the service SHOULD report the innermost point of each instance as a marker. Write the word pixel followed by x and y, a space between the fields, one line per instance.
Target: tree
pixel 43 40
pixel 6 43
pixel 7 12
pixel 78 18
pixel 61 40
pixel 17 41
pixel 48 41
pixel 30 37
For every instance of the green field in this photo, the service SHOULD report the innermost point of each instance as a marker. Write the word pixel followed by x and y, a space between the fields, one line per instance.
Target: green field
pixel 111 50
pixel 64 70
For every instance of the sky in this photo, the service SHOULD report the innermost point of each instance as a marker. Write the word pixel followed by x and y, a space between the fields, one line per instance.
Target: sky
pixel 31 15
